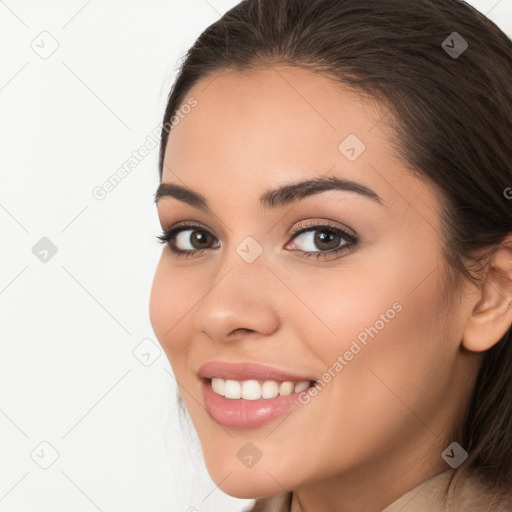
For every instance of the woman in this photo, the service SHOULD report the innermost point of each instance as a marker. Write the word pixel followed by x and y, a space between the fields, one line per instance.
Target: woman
pixel 335 291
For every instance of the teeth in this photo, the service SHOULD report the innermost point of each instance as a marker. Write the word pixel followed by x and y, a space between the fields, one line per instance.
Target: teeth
pixel 253 390
pixel 218 386
pixel 232 389
pixel 301 386
pixel 250 390
pixel 286 388
pixel 270 389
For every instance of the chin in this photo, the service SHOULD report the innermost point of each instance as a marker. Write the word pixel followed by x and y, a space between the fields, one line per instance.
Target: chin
pixel 243 488
pixel 247 483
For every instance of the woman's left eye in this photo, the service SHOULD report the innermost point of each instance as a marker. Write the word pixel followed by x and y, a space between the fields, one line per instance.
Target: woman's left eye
pixel 309 241
pixel 321 241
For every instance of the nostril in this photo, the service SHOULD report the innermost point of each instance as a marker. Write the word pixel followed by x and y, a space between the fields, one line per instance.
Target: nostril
pixel 241 330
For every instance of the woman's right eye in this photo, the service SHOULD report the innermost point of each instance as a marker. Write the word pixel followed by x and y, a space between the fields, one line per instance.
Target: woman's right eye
pixel 188 240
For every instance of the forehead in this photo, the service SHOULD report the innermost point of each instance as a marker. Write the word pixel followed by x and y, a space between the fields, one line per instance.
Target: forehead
pixel 254 131
pixel 272 116
pixel 257 131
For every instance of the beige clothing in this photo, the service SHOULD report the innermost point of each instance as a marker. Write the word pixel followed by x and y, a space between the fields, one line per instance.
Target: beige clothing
pixel 445 492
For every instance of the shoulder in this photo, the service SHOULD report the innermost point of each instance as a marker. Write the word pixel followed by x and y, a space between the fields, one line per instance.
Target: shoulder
pixel 449 491
pixel 452 491
pixel 469 492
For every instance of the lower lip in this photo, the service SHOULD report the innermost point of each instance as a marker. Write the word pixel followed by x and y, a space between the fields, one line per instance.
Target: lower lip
pixel 240 413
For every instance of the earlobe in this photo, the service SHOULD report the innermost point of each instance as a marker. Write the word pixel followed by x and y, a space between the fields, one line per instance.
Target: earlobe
pixel 491 317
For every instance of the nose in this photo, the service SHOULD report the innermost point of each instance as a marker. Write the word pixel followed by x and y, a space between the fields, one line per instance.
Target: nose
pixel 238 301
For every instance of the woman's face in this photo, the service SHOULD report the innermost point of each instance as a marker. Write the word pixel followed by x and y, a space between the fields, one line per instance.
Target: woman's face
pixel 365 314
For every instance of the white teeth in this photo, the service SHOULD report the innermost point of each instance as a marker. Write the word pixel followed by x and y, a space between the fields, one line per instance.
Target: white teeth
pixel 301 386
pixel 253 390
pixel 232 389
pixel 286 388
pixel 218 385
pixel 270 389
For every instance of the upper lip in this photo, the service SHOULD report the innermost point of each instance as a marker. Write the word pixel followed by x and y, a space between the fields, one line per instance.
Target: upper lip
pixel 247 371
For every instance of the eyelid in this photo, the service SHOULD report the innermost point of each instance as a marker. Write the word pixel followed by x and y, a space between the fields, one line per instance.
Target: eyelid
pixel 309 224
pixel 300 227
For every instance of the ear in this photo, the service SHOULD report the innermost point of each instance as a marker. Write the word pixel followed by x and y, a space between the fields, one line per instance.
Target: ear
pixel 492 315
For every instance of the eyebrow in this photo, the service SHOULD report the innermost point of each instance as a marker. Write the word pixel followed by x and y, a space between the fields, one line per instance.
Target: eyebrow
pixel 273 198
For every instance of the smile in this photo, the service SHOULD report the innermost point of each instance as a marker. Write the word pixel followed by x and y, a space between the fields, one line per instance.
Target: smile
pixel 256 389
pixel 249 395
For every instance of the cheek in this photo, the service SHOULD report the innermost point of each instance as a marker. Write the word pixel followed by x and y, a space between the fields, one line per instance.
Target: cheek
pixel 395 289
pixel 167 309
pixel 158 302
pixel 388 324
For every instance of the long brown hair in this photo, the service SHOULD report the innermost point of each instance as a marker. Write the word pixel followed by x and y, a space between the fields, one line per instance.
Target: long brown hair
pixel 452 117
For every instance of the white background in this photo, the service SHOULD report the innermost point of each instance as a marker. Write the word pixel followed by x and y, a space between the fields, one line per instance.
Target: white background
pixel 68 374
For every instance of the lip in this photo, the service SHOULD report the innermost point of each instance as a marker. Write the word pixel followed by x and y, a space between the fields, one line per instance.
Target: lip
pixel 248 371
pixel 241 413
pixel 246 414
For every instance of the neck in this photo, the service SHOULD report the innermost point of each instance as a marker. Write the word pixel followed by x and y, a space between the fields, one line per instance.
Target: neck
pixel 373 488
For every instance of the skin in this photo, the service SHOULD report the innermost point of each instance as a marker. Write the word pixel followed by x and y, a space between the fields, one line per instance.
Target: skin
pixel 378 428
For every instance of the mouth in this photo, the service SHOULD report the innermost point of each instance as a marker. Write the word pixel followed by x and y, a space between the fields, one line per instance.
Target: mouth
pixel 251 403
pixel 253 389
pixel 248 395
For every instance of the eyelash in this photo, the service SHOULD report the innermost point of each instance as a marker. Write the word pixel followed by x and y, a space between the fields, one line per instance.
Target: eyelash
pixel 168 236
